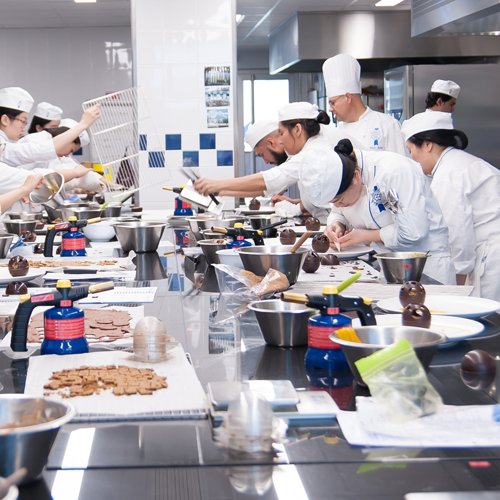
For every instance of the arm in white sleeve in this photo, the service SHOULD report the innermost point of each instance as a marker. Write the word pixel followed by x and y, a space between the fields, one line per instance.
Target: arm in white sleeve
pixel 279 178
pixel 336 215
pixel 20 153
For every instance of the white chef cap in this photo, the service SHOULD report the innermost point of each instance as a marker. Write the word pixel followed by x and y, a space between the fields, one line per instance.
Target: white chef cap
pixel 446 87
pixel 48 111
pixel 258 130
pixel 298 111
pixel 84 136
pixel 429 120
pixel 16 98
pixel 342 74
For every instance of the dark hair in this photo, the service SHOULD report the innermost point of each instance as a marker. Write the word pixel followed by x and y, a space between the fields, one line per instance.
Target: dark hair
pixel 442 137
pixel 11 113
pixel 310 125
pixel 36 120
pixel 349 163
pixel 432 98
pixel 59 130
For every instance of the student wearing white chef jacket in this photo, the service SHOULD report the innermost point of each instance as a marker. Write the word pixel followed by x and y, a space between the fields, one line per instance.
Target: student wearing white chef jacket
pixel 373 130
pixel 443 96
pixel 383 199
pixel 46 115
pixel 468 191
pixel 15 104
pixel 308 150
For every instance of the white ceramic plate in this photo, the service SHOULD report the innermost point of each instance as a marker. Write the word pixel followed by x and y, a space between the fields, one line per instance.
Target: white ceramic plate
pixel 302 229
pixel 453 327
pixel 6 278
pixel 351 252
pixel 243 209
pixel 448 305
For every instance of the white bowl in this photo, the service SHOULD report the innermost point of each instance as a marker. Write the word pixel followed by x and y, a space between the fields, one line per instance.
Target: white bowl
pixel 230 257
pixel 100 231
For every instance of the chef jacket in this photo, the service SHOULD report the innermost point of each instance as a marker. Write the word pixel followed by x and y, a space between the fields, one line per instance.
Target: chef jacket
pixel 316 155
pixel 398 201
pixel 376 131
pixel 468 190
pixel 23 152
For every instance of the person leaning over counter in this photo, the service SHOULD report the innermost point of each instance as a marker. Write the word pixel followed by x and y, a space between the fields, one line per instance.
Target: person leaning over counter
pixel 373 130
pixel 20 193
pixel 46 115
pixel 382 198
pixel 443 96
pixel 306 119
pixel 468 190
pixel 15 104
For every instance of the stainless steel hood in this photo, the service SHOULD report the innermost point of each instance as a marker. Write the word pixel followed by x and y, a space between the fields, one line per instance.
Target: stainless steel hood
pixel 379 40
pixel 451 17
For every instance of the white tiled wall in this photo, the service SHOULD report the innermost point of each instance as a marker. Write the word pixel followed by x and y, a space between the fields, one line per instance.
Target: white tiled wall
pixel 173 43
pixel 66 66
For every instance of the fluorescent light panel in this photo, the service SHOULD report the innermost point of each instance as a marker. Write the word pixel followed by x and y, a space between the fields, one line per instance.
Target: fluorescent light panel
pixel 388 3
pixel 85 1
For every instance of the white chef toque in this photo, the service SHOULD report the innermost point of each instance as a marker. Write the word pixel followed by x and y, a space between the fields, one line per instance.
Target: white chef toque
pixel 258 130
pixel 16 98
pixel 70 123
pixel 342 74
pixel 430 120
pixel 322 184
pixel 446 87
pixel 48 111
pixel 298 111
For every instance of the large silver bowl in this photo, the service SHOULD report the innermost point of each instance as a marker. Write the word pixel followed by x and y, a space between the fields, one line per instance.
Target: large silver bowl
pixel 260 259
pixel 5 242
pixel 399 267
pixel 19 226
pixel 283 324
pixel 199 223
pixel 25 215
pixel 139 236
pixel 28 445
pixel 81 212
pixel 52 188
pixel 374 338
pixel 210 247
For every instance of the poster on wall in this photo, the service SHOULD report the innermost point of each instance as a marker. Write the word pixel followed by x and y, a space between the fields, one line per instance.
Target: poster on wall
pixel 217 81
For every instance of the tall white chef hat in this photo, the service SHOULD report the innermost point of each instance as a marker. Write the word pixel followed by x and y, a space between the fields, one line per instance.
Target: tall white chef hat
pixel 48 111
pixel 342 74
pixel 16 98
pixel 258 130
pixel 446 87
pixel 84 136
pixel 298 111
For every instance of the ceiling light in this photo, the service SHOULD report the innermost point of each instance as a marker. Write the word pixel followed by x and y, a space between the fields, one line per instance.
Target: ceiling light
pixel 388 3
pixel 239 18
pixel 85 1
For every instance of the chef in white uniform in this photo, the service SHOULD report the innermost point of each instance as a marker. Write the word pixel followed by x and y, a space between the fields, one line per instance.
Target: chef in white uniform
pixel 383 199
pixel 468 191
pixel 373 130
pixel 46 115
pixel 308 150
pixel 443 96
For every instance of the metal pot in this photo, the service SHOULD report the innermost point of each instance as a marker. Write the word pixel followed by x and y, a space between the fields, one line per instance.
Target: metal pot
pixel 52 189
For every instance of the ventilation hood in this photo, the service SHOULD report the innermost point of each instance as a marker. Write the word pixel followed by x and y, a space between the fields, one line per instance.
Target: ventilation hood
pixel 451 17
pixel 379 40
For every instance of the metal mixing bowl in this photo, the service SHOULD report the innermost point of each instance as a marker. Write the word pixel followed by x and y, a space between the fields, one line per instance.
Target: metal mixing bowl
pixel 25 215
pixel 199 223
pixel 283 324
pixel 29 445
pixel 139 236
pixel 210 247
pixel 19 226
pixel 51 189
pixel 81 212
pixel 399 267
pixel 374 338
pixel 260 221
pixel 5 242
pixel 260 259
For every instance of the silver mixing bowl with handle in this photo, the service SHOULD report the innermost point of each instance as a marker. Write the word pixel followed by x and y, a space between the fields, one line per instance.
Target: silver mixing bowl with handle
pixel 399 267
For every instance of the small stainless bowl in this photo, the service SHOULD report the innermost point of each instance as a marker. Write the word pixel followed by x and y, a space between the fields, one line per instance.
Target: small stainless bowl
pixel 139 236
pixel 5 242
pixel 210 248
pixel 399 267
pixel 19 226
pixel 25 215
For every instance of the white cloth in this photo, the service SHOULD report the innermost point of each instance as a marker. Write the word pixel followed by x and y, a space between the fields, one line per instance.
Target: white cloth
pixel 468 190
pixel 23 152
pixel 418 224
pixel 376 131
pixel 304 167
pixel 342 74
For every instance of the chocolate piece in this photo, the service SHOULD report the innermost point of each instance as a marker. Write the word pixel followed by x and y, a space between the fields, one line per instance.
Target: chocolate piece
pixel 311 262
pixel 288 237
pixel 412 292
pixel 312 224
pixel 416 315
pixel 38 248
pixel 320 243
pixel 16 288
pixel 330 259
pixel 29 236
pixel 478 361
pixel 254 204
pixel 18 266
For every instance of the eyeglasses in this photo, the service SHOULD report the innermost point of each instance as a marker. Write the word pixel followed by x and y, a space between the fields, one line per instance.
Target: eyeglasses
pixel 22 120
pixel 334 100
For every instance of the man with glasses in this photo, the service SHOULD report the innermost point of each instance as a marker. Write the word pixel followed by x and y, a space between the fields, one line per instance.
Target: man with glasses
pixel 373 130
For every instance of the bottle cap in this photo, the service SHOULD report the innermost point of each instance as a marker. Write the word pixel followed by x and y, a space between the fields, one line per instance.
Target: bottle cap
pixel 63 284
pixel 72 218
pixel 238 225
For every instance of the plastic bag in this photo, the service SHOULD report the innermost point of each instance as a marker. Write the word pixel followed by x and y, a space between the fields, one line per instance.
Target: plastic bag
pixel 398 383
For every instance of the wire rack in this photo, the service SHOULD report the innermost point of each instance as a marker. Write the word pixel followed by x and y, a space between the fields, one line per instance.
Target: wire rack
pixel 115 138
